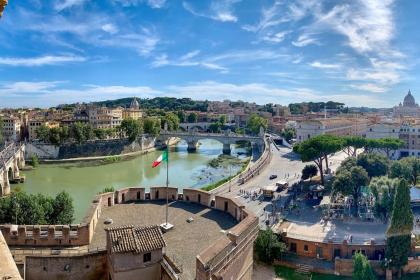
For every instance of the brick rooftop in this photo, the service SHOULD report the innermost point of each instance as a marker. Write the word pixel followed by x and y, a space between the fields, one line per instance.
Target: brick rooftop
pixel 184 242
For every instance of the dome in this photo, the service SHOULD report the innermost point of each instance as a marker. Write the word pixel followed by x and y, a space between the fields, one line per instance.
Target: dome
pixel 409 100
pixel 134 104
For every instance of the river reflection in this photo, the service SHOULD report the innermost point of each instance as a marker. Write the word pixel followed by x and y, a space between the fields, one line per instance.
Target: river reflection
pixel 84 180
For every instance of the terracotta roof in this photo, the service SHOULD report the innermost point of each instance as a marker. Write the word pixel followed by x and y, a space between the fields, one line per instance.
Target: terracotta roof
pixel 135 239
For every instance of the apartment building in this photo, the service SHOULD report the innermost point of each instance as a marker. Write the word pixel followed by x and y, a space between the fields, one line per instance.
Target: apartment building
pixel 133 112
pixel 12 128
pixel 103 117
pixel 342 126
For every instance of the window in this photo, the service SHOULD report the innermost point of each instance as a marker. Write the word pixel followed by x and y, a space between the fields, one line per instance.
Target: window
pixel 305 248
pixel 147 257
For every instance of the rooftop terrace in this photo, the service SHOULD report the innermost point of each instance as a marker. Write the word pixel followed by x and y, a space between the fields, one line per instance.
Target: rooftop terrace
pixel 184 242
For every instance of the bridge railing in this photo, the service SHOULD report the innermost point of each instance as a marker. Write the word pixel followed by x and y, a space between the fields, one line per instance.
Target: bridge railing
pixel 231 134
pixel 8 152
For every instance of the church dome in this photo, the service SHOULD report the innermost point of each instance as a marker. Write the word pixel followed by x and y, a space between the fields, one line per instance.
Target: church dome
pixel 134 104
pixel 409 100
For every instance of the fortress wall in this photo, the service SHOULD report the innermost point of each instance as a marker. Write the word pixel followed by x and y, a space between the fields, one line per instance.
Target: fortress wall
pixel 159 193
pixel 90 266
pixel 197 196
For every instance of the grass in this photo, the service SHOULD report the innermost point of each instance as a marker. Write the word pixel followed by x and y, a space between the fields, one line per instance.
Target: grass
pixel 112 159
pixel 221 182
pixel 289 274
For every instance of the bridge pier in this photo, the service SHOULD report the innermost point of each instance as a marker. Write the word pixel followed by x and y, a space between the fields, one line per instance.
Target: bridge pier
pixel 192 146
pixel 226 149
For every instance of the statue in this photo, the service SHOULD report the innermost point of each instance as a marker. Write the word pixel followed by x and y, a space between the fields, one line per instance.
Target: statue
pixel 3 4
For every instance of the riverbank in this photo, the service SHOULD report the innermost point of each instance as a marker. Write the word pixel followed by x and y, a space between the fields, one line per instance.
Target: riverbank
pixel 109 158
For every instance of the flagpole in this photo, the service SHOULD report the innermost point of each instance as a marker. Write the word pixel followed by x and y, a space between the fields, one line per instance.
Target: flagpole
pixel 167 179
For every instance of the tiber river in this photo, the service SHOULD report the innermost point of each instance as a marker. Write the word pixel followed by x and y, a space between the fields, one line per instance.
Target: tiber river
pixel 84 180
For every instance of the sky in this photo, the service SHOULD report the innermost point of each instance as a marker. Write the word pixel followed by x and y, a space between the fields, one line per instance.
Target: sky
pixel 359 52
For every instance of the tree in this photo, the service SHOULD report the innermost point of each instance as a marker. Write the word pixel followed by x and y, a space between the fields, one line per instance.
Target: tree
pixel 131 128
pixel 77 132
pixel 63 209
pixel 192 117
pixel 267 246
pixel 352 144
pixel 152 126
pixel 54 136
pixel 88 131
pixel 34 160
pixel 43 133
pixel 383 189
pixel 100 133
pixel 172 120
pixel 317 149
pixel 347 164
pixel 407 168
pixel 361 268
pixel 375 164
pixel 288 133
pixel 181 116
pixel 255 122
pixel 309 171
pixel 215 127
pixel 350 182
pixel 398 245
pixel 222 120
pixel 389 144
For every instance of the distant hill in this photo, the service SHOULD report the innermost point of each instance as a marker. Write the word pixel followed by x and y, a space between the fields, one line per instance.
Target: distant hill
pixel 164 103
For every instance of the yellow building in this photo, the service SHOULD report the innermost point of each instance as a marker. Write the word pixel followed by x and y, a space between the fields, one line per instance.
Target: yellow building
pixel 133 112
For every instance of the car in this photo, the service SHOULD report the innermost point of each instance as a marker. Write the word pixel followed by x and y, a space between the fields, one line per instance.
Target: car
pixel 274 176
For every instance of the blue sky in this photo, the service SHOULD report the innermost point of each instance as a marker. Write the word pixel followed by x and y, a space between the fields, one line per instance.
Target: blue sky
pixel 360 52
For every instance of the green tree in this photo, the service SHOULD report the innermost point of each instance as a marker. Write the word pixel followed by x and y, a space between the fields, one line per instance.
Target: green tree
pixel 100 133
pixel 131 128
pixel 407 168
pixel 255 122
pixel 54 136
pixel 347 164
pixel 353 143
pixel 222 120
pixel 192 117
pixel 63 209
pixel 215 127
pixel 389 144
pixel 34 160
pixel 43 133
pixel 350 182
pixel 181 116
pixel 398 245
pixel 309 171
pixel 288 133
pixel 152 126
pixel 361 268
pixel 383 189
pixel 88 131
pixel 375 164
pixel 77 132
pixel 267 246
pixel 317 149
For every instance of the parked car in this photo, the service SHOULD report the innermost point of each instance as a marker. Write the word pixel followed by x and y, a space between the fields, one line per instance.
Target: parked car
pixel 274 176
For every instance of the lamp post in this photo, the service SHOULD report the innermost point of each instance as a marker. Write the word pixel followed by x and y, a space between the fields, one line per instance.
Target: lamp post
pixel 3 4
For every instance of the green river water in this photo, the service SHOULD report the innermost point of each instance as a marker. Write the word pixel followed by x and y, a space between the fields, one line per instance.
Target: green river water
pixel 84 180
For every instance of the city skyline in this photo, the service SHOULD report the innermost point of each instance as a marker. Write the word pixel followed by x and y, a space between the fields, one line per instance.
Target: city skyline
pixel 361 53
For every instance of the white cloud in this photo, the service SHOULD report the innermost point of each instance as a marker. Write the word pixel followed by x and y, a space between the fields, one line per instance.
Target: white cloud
pixel 155 4
pixel 305 40
pixel 277 37
pixel 369 87
pixel 40 61
pixel 317 64
pixel 219 10
pixel 65 4
pixel 110 28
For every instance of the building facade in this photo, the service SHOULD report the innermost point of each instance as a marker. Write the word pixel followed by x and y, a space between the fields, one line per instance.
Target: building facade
pixel 409 107
pixel 12 128
pixel 133 112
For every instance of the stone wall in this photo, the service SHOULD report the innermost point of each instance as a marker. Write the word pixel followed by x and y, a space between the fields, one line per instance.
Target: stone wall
pixel 344 267
pixel 8 269
pixel 90 149
pixel 90 266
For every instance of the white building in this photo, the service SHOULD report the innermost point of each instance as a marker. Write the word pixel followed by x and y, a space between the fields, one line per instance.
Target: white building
pixel 409 107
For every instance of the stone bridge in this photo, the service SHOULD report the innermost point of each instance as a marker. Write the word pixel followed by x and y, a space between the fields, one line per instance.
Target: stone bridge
pixel 200 126
pixel 12 157
pixel 226 139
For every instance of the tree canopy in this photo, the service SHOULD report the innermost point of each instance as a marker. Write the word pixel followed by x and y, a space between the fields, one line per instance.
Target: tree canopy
pixel 361 268
pixel 268 247
pixel 407 168
pixel 375 164
pixel 317 149
pixel 255 122
pixel 310 170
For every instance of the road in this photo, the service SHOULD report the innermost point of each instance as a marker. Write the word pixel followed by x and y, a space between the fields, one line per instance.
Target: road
pixel 286 165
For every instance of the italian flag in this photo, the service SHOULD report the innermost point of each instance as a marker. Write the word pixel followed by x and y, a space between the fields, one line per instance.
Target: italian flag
pixel 162 157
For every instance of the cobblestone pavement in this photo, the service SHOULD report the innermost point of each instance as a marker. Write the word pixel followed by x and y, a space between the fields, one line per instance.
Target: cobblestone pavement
pixel 184 242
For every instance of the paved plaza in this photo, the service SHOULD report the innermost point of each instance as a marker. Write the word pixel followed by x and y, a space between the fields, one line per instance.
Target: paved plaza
pixel 184 242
